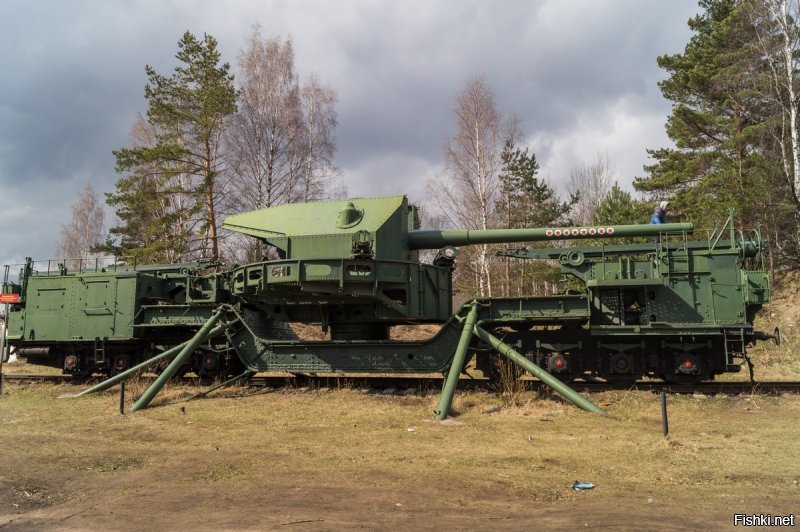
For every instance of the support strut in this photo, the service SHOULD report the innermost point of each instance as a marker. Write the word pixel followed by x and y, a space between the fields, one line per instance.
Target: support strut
pixel 177 362
pixel 128 373
pixel 513 356
pixel 450 384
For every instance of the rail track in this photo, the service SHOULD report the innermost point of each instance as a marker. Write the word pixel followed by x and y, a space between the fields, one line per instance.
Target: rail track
pixel 398 385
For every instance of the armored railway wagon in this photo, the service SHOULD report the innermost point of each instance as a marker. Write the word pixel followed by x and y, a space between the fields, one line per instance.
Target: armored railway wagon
pixel 679 308
pixel 106 318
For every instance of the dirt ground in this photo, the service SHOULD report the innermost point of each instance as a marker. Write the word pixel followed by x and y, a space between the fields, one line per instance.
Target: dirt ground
pixel 334 459
pixel 366 503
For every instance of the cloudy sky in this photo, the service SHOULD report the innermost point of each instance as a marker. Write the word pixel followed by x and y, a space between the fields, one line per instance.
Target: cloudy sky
pixel 581 74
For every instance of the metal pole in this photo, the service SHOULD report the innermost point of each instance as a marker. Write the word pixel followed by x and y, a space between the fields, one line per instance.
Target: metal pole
pixel 128 373
pixel 451 383
pixel 664 422
pixel 3 344
pixel 122 398
pixel 176 363
pixel 508 352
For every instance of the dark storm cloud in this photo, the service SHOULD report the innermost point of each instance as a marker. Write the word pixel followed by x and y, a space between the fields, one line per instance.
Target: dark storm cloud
pixel 553 64
pixel 580 75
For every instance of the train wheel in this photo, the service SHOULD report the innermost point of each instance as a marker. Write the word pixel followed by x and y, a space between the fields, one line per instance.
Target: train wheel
pixel 681 379
pixel 688 369
pixel 559 365
pixel 622 370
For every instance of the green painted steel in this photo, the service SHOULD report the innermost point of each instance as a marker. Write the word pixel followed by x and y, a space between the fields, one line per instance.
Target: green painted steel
pixel 386 229
pixel 646 286
pixel 79 307
pixel 509 352
pixel 177 362
pixel 335 291
pixel 103 317
pixel 454 372
pixel 260 352
pixel 437 238
pixel 675 309
pixel 63 306
pixel 332 229
pixel 353 264
pixel 127 374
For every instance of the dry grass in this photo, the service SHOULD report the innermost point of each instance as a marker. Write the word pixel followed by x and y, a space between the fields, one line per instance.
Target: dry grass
pixel 509 385
pixel 258 460
pixel 23 367
pixel 722 450
pixel 779 362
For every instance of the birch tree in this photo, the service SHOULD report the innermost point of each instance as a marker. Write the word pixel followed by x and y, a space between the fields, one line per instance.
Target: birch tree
pixel 778 38
pixel 318 104
pixel 468 191
pixel 84 234
pixel 265 136
pixel 281 140
pixel 590 183
pixel 777 54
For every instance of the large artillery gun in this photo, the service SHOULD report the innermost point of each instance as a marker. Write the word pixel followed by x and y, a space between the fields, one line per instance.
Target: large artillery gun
pixel 662 309
pixel 353 266
pixel 676 309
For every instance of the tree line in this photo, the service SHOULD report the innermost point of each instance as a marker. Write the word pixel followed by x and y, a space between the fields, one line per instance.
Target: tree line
pixel 491 181
pixel 734 125
pixel 734 122
pixel 209 146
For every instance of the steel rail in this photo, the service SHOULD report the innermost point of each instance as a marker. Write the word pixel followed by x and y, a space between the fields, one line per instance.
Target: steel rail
pixel 401 384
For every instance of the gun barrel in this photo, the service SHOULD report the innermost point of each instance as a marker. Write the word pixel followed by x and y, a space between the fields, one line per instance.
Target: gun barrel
pixel 437 238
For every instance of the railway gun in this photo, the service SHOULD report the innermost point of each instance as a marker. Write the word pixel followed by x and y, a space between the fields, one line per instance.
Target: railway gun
pixel 677 309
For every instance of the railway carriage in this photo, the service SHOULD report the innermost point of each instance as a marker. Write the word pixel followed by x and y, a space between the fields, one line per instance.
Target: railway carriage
pixel 670 306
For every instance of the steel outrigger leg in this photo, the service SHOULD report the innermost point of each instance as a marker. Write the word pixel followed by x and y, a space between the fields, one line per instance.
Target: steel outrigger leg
pixel 177 362
pixel 128 373
pixel 451 382
pixel 512 355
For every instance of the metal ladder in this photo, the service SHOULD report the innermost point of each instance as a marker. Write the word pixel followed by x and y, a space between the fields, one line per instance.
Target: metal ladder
pixel 99 350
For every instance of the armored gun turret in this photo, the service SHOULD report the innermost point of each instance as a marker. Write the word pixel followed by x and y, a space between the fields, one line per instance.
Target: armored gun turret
pixel 353 264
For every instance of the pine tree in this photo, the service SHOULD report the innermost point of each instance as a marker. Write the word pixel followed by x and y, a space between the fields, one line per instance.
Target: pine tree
pixel 168 201
pixel 621 208
pixel 716 121
pixel 526 201
pixel 152 206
